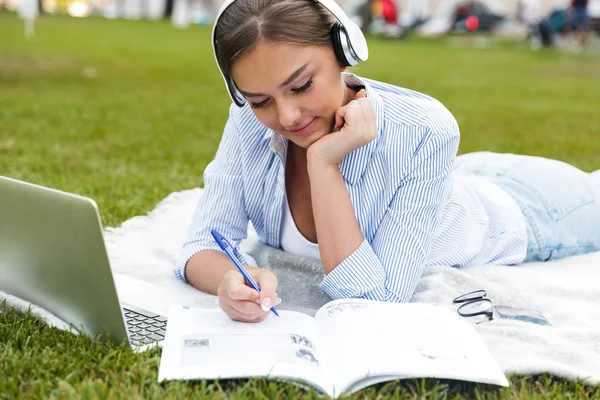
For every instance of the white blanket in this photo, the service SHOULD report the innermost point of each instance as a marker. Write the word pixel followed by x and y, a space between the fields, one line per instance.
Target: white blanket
pixel 565 291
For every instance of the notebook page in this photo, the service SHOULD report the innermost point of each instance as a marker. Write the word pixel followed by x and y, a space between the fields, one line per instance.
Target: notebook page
pixel 362 338
pixel 207 344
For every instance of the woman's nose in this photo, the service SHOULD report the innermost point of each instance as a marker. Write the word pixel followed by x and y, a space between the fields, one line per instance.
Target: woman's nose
pixel 289 114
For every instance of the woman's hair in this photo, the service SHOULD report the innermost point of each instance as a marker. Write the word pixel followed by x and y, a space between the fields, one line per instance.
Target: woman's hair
pixel 245 23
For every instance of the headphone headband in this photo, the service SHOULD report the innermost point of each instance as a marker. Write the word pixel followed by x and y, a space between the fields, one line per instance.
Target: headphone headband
pixel 349 43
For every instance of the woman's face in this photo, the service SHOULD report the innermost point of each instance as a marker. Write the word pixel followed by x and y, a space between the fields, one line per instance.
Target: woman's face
pixel 293 90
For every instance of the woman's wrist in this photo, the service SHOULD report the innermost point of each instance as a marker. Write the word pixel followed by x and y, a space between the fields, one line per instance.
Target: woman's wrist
pixel 317 166
pixel 321 170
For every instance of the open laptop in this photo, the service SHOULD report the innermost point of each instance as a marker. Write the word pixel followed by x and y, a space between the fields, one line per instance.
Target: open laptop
pixel 52 254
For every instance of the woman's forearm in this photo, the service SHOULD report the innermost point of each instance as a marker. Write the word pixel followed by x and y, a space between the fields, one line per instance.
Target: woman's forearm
pixel 205 270
pixel 338 232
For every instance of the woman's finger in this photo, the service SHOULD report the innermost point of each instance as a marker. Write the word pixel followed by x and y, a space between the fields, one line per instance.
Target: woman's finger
pixel 248 308
pixel 361 94
pixel 239 316
pixel 345 115
pixel 236 288
pixel 267 281
pixel 368 112
pixel 340 115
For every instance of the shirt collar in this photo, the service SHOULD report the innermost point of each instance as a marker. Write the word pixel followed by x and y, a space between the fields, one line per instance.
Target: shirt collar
pixel 354 164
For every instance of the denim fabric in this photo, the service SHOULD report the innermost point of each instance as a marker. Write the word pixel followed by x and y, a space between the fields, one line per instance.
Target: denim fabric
pixel 579 18
pixel 561 203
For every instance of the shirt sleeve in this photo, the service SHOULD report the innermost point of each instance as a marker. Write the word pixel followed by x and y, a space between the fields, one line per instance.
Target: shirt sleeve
pixel 221 205
pixel 388 268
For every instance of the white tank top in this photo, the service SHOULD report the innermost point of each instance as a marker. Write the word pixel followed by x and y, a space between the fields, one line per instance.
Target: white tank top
pixel 292 241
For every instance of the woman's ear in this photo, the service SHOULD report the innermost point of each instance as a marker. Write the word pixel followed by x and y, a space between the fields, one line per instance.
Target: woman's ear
pixel 342 68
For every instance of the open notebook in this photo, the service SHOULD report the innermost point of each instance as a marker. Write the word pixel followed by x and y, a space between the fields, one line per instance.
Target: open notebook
pixel 348 345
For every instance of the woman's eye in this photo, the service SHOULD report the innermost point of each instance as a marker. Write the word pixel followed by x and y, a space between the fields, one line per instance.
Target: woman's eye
pixel 304 87
pixel 301 89
pixel 259 105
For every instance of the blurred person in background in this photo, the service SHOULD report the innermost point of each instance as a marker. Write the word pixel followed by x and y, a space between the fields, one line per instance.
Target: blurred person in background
pixel 528 12
pixel 389 13
pixel 365 11
pixel 578 21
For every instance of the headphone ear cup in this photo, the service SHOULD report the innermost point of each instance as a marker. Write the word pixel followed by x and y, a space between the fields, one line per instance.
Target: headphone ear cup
pixel 337 35
pixel 236 96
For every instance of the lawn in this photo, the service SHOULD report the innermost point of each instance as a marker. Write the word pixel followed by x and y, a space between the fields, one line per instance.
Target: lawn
pixel 128 112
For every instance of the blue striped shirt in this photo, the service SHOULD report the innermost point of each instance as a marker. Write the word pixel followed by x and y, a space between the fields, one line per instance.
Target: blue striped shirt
pixel 413 208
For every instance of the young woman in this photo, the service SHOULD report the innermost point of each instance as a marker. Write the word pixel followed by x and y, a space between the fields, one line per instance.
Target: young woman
pixel 358 173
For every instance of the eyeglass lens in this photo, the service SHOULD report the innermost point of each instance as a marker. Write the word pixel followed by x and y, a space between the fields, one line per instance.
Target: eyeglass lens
pixel 476 307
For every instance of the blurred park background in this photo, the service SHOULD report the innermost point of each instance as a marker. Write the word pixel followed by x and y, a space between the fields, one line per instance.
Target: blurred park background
pixel 127 105
pixel 121 101
pixel 543 21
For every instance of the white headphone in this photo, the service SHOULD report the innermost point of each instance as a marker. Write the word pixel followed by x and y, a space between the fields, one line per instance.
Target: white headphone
pixel 349 43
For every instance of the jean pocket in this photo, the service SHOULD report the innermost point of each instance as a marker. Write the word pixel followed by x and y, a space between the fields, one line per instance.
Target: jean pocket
pixel 558 186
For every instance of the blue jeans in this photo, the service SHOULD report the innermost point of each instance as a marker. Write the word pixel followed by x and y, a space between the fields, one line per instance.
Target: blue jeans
pixel 561 203
pixel 578 18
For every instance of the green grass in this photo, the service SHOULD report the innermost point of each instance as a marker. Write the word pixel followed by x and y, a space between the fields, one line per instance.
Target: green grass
pixel 128 112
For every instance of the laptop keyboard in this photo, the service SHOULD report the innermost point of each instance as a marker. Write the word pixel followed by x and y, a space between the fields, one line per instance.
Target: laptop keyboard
pixel 144 327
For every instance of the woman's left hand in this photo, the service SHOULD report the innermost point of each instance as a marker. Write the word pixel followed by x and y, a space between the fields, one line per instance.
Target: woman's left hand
pixel 356 126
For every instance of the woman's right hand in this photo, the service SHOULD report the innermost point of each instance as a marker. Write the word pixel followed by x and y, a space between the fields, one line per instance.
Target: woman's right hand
pixel 241 302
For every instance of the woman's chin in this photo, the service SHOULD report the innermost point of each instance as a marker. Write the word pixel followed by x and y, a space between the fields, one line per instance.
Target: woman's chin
pixel 308 140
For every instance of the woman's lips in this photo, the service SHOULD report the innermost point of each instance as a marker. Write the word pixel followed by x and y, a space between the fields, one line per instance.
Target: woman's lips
pixel 304 129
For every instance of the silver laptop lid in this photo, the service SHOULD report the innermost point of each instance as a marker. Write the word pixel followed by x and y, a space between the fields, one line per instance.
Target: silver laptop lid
pixel 52 254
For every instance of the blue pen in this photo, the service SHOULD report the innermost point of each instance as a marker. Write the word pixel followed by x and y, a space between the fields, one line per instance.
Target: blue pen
pixel 228 249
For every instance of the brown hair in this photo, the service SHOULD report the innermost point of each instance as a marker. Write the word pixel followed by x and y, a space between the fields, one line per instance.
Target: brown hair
pixel 247 22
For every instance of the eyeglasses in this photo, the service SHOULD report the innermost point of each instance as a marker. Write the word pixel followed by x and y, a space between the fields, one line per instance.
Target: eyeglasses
pixel 475 303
